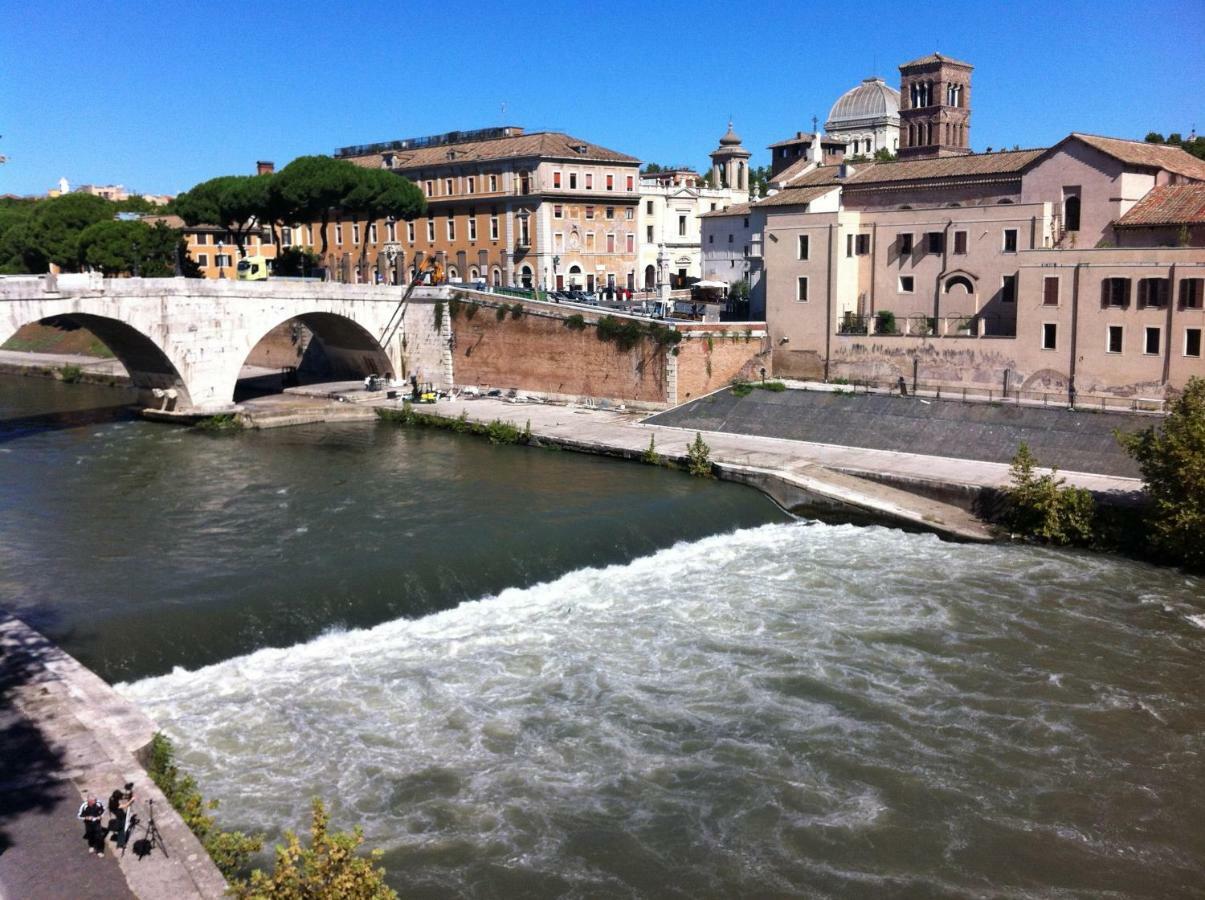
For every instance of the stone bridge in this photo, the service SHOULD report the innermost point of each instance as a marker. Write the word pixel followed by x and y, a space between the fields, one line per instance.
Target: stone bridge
pixel 193 336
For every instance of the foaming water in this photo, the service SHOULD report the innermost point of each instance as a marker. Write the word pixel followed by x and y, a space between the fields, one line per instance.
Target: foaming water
pixel 792 709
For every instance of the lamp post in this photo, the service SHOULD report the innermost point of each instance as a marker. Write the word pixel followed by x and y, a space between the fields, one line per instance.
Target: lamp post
pixel 556 261
pixel 221 268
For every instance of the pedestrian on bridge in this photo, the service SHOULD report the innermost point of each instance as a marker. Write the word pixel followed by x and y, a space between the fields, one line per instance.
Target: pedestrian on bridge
pixel 91 811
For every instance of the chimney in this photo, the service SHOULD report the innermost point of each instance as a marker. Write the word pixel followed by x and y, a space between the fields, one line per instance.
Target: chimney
pixel 265 167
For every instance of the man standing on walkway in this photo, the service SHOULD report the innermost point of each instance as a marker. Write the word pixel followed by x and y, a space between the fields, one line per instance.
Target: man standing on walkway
pixel 91 812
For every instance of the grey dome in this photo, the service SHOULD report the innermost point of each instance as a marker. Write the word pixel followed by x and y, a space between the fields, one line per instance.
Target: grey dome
pixel 861 106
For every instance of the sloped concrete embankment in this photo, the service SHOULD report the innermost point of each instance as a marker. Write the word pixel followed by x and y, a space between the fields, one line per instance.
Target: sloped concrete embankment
pixel 82 736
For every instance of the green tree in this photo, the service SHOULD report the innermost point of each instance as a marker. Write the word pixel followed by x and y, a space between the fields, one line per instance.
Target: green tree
pixel 238 203
pixel 1172 460
pixel 328 869
pixel 311 187
pixel 378 194
pixel 54 228
pixel 698 458
pixel 123 247
pixel 1041 507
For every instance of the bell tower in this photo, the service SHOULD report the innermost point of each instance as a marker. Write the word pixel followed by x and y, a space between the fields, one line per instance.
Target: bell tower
pixel 730 163
pixel 935 107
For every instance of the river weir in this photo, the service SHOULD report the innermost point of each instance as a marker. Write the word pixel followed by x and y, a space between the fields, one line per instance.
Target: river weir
pixel 529 673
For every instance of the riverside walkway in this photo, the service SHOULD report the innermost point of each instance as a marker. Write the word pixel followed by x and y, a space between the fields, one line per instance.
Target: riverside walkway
pixel 67 733
pixel 795 473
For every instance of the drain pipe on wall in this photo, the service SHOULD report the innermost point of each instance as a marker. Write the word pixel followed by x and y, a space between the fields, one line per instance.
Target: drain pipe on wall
pixel 1074 333
pixel 828 305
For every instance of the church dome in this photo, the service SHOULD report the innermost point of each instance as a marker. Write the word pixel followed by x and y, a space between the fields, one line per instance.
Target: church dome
pixel 869 103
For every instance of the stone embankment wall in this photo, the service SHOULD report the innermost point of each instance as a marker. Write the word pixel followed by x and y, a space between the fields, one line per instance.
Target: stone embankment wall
pixel 539 353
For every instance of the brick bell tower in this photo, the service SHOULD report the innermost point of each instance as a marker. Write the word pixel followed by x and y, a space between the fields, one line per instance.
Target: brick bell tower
pixel 935 107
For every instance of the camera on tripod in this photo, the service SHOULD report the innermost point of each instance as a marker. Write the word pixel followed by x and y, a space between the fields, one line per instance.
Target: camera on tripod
pixel 151 838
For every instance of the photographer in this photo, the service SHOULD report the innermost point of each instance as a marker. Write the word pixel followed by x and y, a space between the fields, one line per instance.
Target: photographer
pixel 120 802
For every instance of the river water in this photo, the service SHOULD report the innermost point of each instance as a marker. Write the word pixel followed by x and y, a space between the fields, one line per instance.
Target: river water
pixel 541 675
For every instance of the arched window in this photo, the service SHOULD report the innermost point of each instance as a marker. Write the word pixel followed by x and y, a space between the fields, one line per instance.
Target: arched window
pixel 650 277
pixel 959 281
pixel 453 275
pixel 575 278
pixel 1071 212
pixel 473 274
pixel 525 277
pixel 496 277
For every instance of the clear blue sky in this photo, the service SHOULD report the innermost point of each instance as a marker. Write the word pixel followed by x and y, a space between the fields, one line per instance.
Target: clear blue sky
pixel 158 96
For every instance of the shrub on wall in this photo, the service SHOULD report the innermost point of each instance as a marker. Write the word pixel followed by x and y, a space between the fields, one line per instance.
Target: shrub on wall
pixel 576 322
pixel 698 458
pixel 516 311
pixel 1040 507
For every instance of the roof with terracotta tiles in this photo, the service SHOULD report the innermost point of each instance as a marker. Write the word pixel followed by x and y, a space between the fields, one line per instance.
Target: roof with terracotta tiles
pixel 540 144
pixel 801 172
pixel 736 209
pixel 1170 204
pixel 935 58
pixel 1140 153
pixel 797 196
pixel 973 165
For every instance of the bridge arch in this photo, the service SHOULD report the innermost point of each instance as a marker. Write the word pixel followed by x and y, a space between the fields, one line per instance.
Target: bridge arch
pixel 321 346
pixel 148 366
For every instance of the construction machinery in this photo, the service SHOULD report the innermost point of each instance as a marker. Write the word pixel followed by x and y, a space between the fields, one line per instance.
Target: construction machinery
pixel 429 271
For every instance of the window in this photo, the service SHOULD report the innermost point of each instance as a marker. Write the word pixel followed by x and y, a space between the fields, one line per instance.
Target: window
pixel 558 211
pixel 648 234
pixel 801 289
pixel 556 179
pixel 471 185
pixel 1050 336
pixel 448 187
pixel 589 212
pixel 849 245
pixel 1192 342
pixel 391 231
pixel 493 228
pixel 629 213
pixel 309 236
pixel 222 260
pixel 451 228
pixel 203 261
pixel 203 239
pixel 631 182
pixel 410 232
pixel 1115 338
pixel 589 181
pixel 803 247
pixel 1010 240
pixel 1151 344
pixel 286 236
pixel 1153 292
pixel 1008 289
pixel 1191 293
pixel 711 238
pixel 338 232
pixel 746 221
pixel 648 207
pixel 1050 290
pixel 960 243
pixel 861 244
pixel 573 181
pixel 558 241
pixel 610 212
pixel 590 241
pixel 1115 292
pixel 611 243
pixel 907 284
pixel 1071 212
pixel 904 241
pixel 493 185
pixel 631 243
pixel 936 241
pixel 429 188
pixel 681 226
pixel 372 233
pixel 610 182
pixel 472 226
pixel 730 239
pixel 431 230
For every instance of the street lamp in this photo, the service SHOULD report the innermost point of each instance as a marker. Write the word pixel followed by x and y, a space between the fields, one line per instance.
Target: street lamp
pixel 556 261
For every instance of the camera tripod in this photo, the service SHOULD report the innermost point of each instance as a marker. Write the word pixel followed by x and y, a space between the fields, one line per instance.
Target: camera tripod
pixel 151 838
